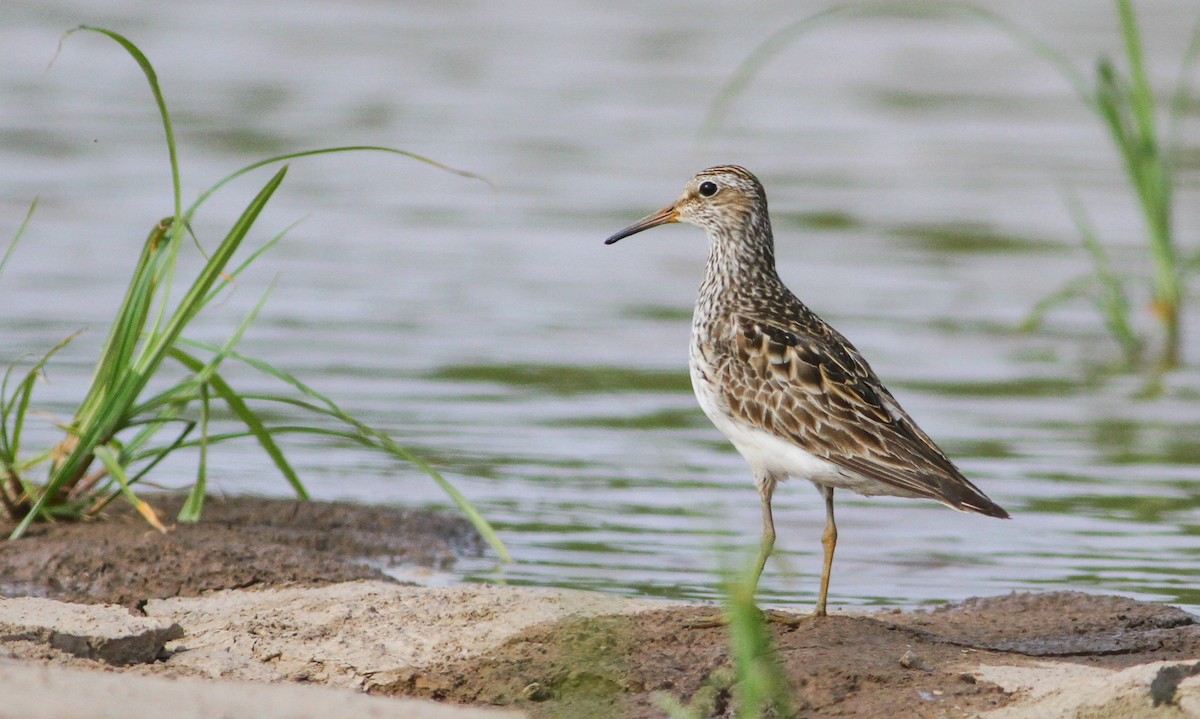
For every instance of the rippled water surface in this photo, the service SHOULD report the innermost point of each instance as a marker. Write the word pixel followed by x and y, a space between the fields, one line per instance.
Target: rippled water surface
pixel 916 169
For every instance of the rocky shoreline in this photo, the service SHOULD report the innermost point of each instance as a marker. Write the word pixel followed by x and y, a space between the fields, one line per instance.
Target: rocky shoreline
pixel 269 599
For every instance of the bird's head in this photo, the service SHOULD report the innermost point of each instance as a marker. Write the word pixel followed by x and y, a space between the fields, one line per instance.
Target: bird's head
pixel 715 199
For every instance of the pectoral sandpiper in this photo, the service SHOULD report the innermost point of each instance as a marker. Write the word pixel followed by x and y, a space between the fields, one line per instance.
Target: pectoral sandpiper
pixel 789 391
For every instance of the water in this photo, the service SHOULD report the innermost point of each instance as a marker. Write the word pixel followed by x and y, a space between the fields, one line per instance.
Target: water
pixel 915 170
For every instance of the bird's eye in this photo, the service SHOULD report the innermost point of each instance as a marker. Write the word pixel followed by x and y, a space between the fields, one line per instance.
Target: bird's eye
pixel 708 189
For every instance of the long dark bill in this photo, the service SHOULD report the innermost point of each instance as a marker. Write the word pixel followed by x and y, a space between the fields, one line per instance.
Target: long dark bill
pixel 664 216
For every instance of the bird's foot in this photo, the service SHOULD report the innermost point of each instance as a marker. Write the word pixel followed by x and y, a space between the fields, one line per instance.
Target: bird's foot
pixel 708 620
pixel 787 619
pixel 718 618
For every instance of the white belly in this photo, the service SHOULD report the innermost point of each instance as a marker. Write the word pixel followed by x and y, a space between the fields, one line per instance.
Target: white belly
pixel 771 456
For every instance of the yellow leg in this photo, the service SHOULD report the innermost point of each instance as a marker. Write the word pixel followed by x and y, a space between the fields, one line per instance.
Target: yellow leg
pixel 829 542
pixel 766 488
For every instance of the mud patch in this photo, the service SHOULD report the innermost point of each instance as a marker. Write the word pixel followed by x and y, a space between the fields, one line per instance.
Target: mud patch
pixel 913 665
pixel 241 542
pixel 617 666
pixel 1100 630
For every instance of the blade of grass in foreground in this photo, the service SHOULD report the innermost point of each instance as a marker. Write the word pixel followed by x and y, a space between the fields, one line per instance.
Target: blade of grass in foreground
pixel 755 677
pixel 761 684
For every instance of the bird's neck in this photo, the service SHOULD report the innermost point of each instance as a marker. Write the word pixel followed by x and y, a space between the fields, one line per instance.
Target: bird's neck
pixel 741 260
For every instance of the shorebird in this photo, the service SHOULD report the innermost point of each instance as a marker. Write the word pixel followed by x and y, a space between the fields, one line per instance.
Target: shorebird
pixel 790 392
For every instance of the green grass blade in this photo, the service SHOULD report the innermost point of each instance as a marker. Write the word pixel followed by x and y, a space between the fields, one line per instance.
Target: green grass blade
pixel 380 440
pixel 761 684
pixel 1141 96
pixel 1111 101
pixel 193 300
pixel 131 458
pixel 260 432
pixel 248 417
pixel 1180 100
pixel 121 343
pixel 12 245
pixel 24 395
pixel 127 374
pixel 465 506
pixel 758 59
pixel 111 460
pixel 193 506
pixel 1112 301
pixel 152 79
pixel 1075 288
pixel 180 440
pixel 201 377
pixel 233 275
pixel 8 454
pixel 383 441
pixel 13 413
pixel 110 414
pixel 161 409
pixel 376 439
pixel 1193 263
pixel 1151 176
pixel 326 151
pixel 114 424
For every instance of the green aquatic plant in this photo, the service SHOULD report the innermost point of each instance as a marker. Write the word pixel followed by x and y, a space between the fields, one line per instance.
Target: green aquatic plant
pixel 1124 101
pixel 133 416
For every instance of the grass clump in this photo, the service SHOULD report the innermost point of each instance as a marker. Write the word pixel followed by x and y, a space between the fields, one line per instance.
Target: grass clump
pixel 1126 104
pixel 1123 100
pixel 132 416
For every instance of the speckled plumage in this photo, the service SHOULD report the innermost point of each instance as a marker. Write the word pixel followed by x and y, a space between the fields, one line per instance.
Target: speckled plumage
pixel 790 392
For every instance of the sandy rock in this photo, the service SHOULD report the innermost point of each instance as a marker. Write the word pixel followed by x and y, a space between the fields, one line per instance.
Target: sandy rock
pixel 1188 696
pixel 94 631
pixel 1063 690
pixel 360 634
pixel 59 693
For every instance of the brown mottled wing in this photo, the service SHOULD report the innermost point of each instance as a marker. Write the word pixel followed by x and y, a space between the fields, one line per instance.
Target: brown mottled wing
pixel 815 389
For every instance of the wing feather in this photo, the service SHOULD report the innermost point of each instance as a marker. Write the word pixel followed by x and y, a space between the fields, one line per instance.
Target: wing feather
pixel 811 386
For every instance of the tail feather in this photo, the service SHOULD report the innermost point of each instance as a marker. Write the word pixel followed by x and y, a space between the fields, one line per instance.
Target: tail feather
pixel 966 497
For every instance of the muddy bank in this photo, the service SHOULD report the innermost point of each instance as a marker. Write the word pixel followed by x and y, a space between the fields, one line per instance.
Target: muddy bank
pixel 925 664
pixel 272 592
pixel 241 542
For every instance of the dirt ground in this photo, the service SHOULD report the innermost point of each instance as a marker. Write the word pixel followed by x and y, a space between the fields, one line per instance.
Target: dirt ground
pixel 558 661
pixel 910 664
pixel 241 542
